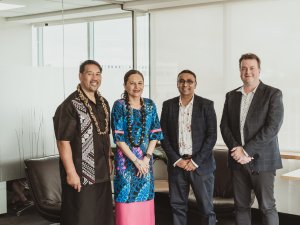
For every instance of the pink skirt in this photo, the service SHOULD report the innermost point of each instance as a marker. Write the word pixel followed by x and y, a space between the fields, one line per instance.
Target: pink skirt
pixel 135 213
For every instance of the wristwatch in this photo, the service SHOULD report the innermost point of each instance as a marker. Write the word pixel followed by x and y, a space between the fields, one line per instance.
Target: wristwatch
pixel 148 156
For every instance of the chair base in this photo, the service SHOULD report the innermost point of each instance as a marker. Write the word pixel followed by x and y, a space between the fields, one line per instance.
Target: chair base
pixel 20 211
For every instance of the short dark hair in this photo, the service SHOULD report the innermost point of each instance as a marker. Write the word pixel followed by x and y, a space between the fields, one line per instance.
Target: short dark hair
pixel 187 71
pixel 249 56
pixel 89 62
pixel 129 73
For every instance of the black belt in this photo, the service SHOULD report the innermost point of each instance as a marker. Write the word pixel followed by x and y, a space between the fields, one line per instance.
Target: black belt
pixel 186 156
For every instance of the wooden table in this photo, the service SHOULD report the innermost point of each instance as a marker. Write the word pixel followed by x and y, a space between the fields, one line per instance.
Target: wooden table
pixel 161 186
pixel 290 155
pixel 295 174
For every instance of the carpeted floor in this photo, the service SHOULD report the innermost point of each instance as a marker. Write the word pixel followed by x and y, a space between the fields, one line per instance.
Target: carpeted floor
pixel 163 216
pixel 28 217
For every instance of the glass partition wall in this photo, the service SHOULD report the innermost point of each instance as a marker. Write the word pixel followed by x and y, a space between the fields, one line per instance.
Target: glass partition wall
pixel 39 65
pixel 209 40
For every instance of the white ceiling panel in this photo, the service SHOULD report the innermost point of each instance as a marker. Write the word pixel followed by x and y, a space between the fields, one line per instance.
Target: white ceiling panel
pixel 42 6
pixel 50 9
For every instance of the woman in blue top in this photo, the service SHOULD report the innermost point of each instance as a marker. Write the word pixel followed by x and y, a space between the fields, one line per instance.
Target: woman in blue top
pixel 136 129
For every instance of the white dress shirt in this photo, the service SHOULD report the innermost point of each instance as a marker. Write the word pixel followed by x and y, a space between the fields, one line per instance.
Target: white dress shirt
pixel 185 129
pixel 245 105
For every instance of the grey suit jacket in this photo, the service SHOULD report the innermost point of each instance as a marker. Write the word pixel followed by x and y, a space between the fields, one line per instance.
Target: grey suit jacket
pixel 204 132
pixel 262 125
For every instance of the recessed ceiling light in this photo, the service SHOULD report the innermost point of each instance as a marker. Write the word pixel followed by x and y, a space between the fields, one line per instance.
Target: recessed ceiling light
pixel 5 6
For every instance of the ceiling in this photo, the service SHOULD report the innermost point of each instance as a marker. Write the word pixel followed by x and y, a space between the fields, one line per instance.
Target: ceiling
pixel 51 10
pixel 44 6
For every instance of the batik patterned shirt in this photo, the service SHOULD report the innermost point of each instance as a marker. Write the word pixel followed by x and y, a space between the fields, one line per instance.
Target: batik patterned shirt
pixel 90 150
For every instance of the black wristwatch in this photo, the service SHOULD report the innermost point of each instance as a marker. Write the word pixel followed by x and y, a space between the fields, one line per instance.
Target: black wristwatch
pixel 148 156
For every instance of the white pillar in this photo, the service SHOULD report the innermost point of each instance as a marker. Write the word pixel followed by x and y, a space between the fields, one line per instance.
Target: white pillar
pixel 3 200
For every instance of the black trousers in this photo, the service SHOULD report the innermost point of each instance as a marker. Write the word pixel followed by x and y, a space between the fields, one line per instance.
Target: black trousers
pixel 179 186
pixel 91 206
pixel 263 185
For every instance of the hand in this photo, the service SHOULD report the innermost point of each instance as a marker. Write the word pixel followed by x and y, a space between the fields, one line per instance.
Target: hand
pixel 244 160
pixel 146 160
pixel 142 167
pixel 190 166
pixel 239 155
pixel 111 166
pixel 74 181
pixel 182 163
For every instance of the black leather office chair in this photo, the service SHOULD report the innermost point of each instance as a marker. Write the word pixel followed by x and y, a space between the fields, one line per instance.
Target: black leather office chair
pixel 45 186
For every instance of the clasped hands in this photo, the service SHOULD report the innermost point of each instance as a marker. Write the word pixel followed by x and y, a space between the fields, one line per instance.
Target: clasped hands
pixel 142 166
pixel 239 155
pixel 186 164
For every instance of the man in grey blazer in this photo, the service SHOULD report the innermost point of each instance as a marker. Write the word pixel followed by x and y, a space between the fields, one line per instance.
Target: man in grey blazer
pixel 190 133
pixel 252 117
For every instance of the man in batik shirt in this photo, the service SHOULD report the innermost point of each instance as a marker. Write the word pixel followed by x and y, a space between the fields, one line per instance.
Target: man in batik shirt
pixel 81 126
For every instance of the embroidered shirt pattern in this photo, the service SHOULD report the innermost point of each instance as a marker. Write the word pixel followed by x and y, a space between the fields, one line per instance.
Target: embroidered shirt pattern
pixel 88 164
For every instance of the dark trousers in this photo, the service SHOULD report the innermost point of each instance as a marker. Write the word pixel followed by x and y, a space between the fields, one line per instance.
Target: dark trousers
pixel 263 185
pixel 91 206
pixel 179 186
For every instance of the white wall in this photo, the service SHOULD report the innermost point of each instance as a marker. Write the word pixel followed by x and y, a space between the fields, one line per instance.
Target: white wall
pixel 3 205
pixel 29 96
pixel 15 47
pixel 209 40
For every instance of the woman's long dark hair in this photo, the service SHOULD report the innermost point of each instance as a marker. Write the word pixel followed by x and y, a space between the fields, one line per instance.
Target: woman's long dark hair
pixel 128 111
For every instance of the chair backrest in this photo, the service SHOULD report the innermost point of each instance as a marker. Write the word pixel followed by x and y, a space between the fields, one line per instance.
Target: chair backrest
pixel 160 170
pixel 45 186
pixel 223 181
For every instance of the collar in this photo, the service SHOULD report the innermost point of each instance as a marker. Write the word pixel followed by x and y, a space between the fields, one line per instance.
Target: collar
pixel 190 103
pixel 241 89
pixel 90 101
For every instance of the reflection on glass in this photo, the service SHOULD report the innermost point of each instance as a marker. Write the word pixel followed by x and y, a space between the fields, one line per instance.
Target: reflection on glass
pixel 143 50
pixel 68 48
pixel 113 50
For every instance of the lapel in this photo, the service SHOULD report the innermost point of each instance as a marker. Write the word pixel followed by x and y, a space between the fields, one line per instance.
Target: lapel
pixel 195 114
pixel 195 110
pixel 235 107
pixel 175 111
pixel 256 98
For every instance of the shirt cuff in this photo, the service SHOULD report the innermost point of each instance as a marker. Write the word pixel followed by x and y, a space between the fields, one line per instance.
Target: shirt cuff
pixel 176 162
pixel 194 163
pixel 246 154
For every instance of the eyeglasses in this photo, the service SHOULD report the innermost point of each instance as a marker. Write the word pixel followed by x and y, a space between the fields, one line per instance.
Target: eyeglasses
pixel 188 82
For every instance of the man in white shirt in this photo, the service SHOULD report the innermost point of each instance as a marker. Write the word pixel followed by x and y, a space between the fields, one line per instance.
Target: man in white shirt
pixel 190 132
pixel 252 117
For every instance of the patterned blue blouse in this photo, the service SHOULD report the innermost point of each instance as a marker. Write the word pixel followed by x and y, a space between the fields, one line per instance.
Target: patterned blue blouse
pixel 127 186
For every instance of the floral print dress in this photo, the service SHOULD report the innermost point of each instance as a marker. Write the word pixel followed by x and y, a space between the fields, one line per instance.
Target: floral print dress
pixel 127 186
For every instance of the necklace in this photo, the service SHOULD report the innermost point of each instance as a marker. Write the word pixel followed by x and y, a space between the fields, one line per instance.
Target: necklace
pixel 129 112
pixel 85 101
